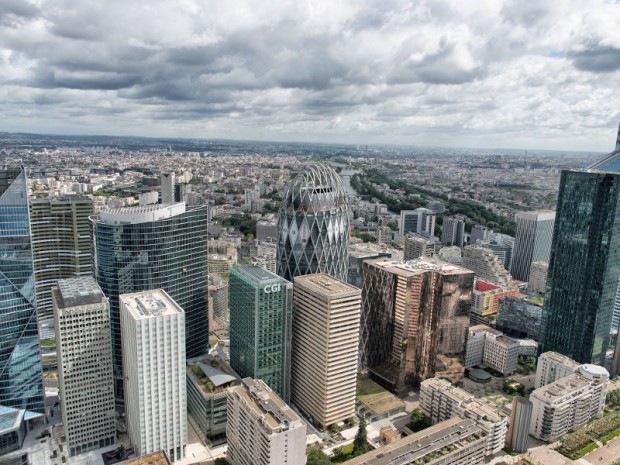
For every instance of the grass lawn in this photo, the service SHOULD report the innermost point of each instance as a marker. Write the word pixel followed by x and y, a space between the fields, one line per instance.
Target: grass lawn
pixel 366 387
pixel 609 436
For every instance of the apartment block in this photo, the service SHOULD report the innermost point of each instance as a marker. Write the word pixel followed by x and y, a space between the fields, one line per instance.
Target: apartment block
pixel 417 246
pixel 538 278
pixel 326 326
pixel 85 376
pixel 552 367
pixel 441 400
pixel 486 300
pixel 261 428
pixel 153 341
pixel 569 403
pixel 485 264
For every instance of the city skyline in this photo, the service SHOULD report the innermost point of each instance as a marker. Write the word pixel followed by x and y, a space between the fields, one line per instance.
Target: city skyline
pixel 496 74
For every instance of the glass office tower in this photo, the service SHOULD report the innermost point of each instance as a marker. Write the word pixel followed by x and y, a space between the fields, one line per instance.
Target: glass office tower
pixel 261 308
pixel 21 375
pixel 313 226
pixel 151 247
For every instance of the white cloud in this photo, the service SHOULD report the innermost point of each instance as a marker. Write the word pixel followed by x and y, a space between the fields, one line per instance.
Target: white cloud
pixel 437 72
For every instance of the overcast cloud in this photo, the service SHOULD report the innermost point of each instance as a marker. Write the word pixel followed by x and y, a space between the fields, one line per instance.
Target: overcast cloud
pixel 487 73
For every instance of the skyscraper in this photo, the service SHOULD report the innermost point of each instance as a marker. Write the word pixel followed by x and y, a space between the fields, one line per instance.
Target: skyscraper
pixel 149 247
pixel 84 346
pixel 153 338
pixel 532 242
pixel 261 315
pixel 420 221
pixel 453 231
pixel 21 377
pixel 62 247
pixel 584 266
pixel 167 188
pixel 325 348
pixel 313 226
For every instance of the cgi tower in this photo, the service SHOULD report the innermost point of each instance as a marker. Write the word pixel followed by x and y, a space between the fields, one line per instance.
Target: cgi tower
pixel 585 262
pixel 313 226
pixel 21 377
pixel 532 242
pixel 62 247
pixel 261 318
pixel 150 247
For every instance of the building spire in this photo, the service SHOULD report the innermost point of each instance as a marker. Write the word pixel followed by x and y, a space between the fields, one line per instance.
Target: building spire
pixel 618 139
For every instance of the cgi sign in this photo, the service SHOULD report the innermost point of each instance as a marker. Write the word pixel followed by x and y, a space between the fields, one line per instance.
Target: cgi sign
pixel 272 288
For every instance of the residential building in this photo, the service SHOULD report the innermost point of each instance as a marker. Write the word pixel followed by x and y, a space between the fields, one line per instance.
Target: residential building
pixel 501 245
pixel 420 221
pixel 415 317
pixel 417 246
pixel 85 377
pixel 313 226
pixel 519 424
pixel 153 340
pixel 486 300
pixel 520 318
pixel 490 347
pixel 261 323
pixel 532 242
pixel 62 247
pixel 486 265
pixel 441 400
pixel 581 292
pixel 21 380
pixel 479 233
pixel 167 188
pixel 326 326
pixel 453 232
pixel 208 381
pixel 451 442
pixel 156 246
pixel 569 403
pixel 537 283
pixel 262 429
pixel 552 366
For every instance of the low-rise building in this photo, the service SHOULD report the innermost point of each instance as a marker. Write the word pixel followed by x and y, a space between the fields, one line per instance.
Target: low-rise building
pixel 568 403
pixel 451 442
pixel 552 367
pixel 441 400
pixel 490 347
pixel 486 300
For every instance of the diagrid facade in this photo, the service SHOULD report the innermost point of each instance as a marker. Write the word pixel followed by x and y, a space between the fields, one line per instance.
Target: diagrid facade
pixel 313 226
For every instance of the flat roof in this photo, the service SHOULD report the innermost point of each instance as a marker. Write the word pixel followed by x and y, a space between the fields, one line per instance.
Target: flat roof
pixel 156 458
pixel 79 291
pixel 256 273
pixel 557 357
pixel 326 284
pixel 418 266
pixel 562 387
pixel 150 304
pixel 140 214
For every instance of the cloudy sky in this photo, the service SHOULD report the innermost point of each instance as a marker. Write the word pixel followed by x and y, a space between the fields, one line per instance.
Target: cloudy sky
pixel 483 73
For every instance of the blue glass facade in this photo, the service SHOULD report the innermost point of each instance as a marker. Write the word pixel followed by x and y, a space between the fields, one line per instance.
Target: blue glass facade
pixel 584 266
pixel 21 376
pixel 168 253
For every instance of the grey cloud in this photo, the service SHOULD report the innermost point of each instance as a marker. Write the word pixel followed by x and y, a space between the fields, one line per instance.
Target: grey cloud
pixel 597 59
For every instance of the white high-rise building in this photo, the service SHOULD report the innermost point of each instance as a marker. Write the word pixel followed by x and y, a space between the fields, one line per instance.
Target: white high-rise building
pixel 552 366
pixel 532 241
pixel 85 378
pixel 261 429
pixel 167 188
pixel 568 403
pixel 153 341
pixel 326 328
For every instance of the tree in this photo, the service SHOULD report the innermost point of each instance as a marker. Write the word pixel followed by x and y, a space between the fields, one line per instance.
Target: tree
pixel 360 443
pixel 613 398
pixel 317 457
pixel 418 421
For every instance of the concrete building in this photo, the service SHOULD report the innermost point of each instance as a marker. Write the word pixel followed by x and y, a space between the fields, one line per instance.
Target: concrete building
pixel 167 188
pixel 486 300
pixel 218 301
pixel 261 324
pixel 502 246
pixel 262 429
pixel 153 338
pixel 359 253
pixel 220 264
pixel 326 326
pixel 85 376
pixel 417 246
pixel 552 366
pixel 490 347
pixel 532 241
pixel 420 221
pixel 62 247
pixel 266 230
pixel 441 400
pixel 537 283
pixel 569 403
pixel 519 424
pixel 415 317
pixel 485 264
pixel 520 318
pixel 453 232
pixel 451 442
pixel 479 233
